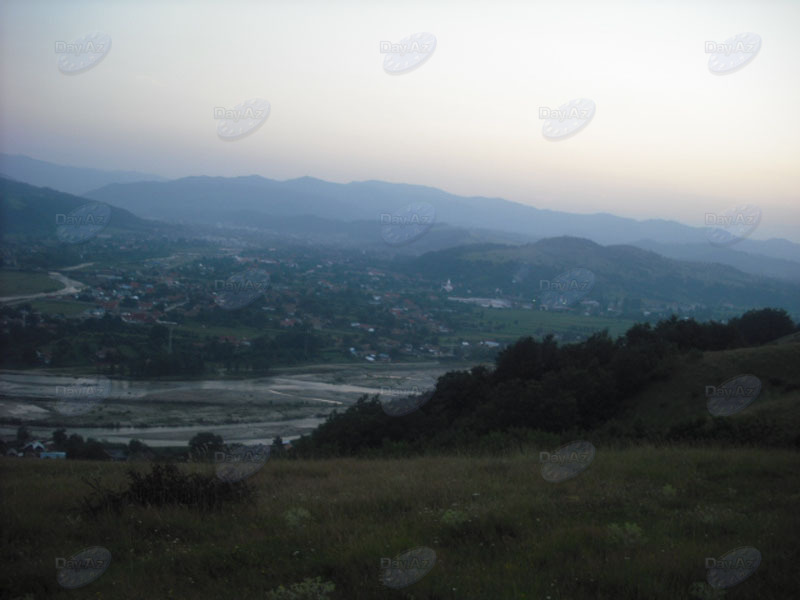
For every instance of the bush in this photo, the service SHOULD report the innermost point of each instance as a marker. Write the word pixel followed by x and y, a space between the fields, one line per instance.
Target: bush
pixel 627 534
pixel 454 518
pixel 296 517
pixel 204 444
pixel 165 485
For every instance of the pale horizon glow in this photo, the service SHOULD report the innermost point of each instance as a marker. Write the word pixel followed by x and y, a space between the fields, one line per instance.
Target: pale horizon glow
pixel 669 140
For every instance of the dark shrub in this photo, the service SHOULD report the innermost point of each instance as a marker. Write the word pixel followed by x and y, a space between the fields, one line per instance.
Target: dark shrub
pixel 166 485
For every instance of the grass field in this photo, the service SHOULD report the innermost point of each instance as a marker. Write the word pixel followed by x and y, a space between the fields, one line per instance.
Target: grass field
pixel 511 324
pixel 18 283
pixel 215 331
pixel 499 530
pixel 497 324
pixel 243 331
pixel 68 308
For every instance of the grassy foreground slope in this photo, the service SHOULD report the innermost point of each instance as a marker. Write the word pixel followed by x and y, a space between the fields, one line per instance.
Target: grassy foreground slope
pixel 500 531
pixel 680 397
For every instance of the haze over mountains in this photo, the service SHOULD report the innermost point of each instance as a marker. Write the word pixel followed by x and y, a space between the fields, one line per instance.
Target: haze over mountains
pixel 469 256
pixel 347 213
pixel 73 180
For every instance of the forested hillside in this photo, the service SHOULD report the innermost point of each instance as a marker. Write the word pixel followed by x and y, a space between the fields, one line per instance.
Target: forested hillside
pixel 538 387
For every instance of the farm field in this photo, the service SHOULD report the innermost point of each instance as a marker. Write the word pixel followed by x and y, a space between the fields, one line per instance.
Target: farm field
pixel 68 308
pixel 17 283
pixel 506 324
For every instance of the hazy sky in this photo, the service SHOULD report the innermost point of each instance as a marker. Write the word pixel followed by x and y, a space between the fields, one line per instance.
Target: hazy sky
pixel 669 138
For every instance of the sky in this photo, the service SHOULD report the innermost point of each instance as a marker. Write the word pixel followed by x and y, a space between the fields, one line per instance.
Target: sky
pixel 669 139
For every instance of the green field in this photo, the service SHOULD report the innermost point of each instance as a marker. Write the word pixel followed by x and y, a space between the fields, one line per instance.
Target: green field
pixel 511 324
pixel 197 328
pixel 19 283
pixel 69 308
pixel 499 530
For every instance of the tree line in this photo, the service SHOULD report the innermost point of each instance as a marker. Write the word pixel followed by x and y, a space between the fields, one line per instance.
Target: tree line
pixel 539 385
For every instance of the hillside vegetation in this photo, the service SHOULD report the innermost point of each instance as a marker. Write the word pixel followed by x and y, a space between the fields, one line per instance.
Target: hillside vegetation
pixel 621 271
pixel 648 384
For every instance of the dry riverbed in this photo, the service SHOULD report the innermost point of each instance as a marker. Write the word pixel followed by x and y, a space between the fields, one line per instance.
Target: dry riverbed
pixel 164 413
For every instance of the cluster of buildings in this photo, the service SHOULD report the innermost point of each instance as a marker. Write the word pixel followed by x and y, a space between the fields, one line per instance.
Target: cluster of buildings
pixel 36 449
pixel 391 308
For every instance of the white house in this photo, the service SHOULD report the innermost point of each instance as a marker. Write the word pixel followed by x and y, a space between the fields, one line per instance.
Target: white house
pixel 35 446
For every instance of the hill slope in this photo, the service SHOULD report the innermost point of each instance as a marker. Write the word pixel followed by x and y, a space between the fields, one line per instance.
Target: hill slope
pixel 680 399
pixel 752 262
pixel 31 212
pixel 648 384
pixel 620 272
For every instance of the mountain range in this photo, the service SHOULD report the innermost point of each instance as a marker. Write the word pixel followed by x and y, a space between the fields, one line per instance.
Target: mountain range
pixel 317 210
pixel 479 265
pixel 251 199
pixel 73 180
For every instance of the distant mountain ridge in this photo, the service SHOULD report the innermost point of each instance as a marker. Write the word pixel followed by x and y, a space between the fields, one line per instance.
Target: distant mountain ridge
pixel 214 199
pixel 72 180
pixel 366 200
pixel 470 257
pixel 363 234
pixel 735 256
pixel 273 205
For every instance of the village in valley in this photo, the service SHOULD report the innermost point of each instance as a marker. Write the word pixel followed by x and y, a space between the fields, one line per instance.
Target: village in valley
pixel 336 304
pixel 163 311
